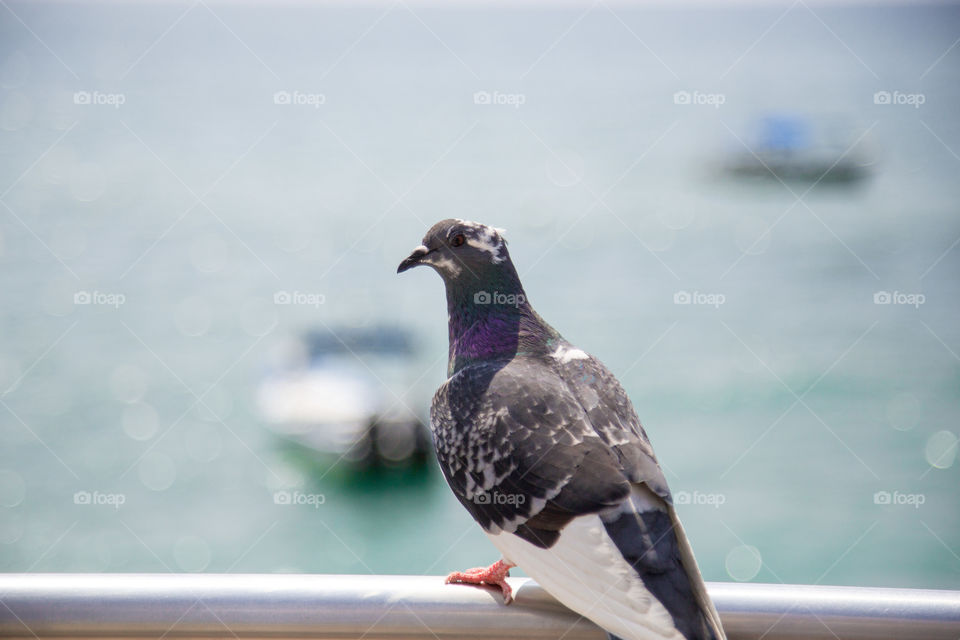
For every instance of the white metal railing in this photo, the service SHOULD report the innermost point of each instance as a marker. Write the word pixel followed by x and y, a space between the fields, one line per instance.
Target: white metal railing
pixel 405 607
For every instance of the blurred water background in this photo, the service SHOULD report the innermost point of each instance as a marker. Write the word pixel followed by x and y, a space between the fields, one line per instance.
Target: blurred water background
pixel 143 154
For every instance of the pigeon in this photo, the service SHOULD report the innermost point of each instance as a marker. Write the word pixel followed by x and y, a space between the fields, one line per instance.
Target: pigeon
pixel 542 446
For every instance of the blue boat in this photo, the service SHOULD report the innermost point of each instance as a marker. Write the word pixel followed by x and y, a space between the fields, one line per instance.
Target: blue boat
pixel 800 149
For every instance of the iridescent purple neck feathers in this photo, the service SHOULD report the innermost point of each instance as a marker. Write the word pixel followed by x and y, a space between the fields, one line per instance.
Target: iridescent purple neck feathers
pixel 493 325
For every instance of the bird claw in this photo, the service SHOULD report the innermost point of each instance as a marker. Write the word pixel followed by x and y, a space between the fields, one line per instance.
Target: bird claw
pixel 495 576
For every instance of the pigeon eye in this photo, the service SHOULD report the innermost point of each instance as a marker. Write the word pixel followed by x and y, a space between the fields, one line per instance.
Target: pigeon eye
pixel 458 240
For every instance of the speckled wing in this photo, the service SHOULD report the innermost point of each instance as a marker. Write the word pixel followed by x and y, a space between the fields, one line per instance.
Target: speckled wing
pixel 612 417
pixel 516 448
pixel 548 456
pixel 526 446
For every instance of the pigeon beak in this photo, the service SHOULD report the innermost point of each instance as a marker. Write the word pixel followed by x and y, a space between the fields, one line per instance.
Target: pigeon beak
pixel 413 259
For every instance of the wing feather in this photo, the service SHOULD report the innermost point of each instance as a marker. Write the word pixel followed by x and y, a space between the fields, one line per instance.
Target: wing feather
pixel 552 461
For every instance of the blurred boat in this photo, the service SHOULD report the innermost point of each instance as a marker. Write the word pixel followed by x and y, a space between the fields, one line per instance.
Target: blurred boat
pixel 795 148
pixel 343 395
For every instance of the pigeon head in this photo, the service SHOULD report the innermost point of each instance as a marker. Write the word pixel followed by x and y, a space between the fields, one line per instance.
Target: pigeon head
pixel 461 251
pixel 488 312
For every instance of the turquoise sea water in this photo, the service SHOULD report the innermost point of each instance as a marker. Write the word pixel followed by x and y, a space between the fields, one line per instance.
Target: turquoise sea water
pixel 146 160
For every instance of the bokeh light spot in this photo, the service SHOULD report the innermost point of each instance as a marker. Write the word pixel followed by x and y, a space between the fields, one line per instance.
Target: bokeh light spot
pixel 743 563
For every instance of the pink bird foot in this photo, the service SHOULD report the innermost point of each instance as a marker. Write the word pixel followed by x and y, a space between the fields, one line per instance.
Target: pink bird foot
pixel 495 575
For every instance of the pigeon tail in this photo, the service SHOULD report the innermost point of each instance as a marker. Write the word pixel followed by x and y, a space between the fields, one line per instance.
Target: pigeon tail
pixel 645 532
